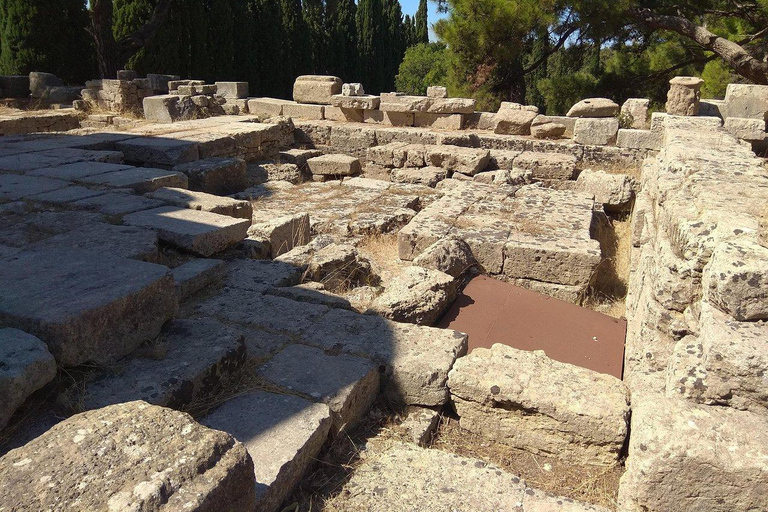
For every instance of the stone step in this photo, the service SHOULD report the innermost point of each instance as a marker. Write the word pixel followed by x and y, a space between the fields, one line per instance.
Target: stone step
pixel 220 176
pixel 85 305
pixel 14 186
pixel 75 171
pixel 158 151
pixel 204 202
pixel 137 456
pixel 199 355
pixel 200 232
pixel 334 165
pixel 196 275
pixel 283 435
pixel 99 237
pixel 348 384
pixel 116 203
pixel 27 162
pixel 139 179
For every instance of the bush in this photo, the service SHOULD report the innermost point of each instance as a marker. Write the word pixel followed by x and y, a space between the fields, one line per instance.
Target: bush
pixel 423 65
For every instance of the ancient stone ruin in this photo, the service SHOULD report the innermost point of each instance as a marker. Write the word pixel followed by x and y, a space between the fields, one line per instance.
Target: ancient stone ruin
pixel 205 296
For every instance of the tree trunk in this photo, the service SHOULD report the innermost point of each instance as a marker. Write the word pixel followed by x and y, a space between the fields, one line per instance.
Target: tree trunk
pixel 113 55
pixel 733 54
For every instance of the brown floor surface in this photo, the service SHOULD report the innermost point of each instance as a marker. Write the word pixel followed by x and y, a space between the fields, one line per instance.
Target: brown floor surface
pixel 492 311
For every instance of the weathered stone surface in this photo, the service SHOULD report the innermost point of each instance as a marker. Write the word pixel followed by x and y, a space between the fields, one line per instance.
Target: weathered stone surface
pixel 349 115
pixel 450 255
pixel 356 102
pixel 85 306
pixel 746 101
pixel 334 165
pixel 257 275
pixel 114 203
pixel 736 280
pixel 131 456
pixel 420 424
pixel 418 295
pixel 219 176
pixel 468 161
pixel 14 187
pixel 77 170
pixel 751 130
pixel 139 179
pixel 687 457
pixel 284 233
pixel 204 202
pixel 336 266
pixel 200 232
pixel 639 139
pixel 543 128
pixel 158 151
pixel 594 107
pixel 283 435
pixel 98 237
pixel 684 95
pixel 391 118
pixel 546 166
pixel 613 191
pixel 437 91
pixel 451 106
pixel 298 157
pixel 232 90
pixel 195 275
pixel 544 406
pixel 262 172
pixel 439 121
pixel 39 82
pixel 416 359
pixel 513 119
pixel 267 107
pixel 162 109
pixel 597 132
pixel 429 176
pixel 26 367
pixel 304 111
pixel 316 89
pixel 199 355
pixel 395 102
pixel 353 89
pixel 348 384
pixel 638 109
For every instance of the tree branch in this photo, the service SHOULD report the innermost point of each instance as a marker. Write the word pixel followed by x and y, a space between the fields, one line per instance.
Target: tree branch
pixel 560 42
pixel 732 53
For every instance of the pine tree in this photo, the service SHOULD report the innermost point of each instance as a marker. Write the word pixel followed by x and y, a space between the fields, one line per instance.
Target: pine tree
pixel 46 35
pixel 342 47
pixel 422 26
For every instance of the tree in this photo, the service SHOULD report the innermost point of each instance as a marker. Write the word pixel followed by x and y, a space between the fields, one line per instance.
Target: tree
pixel 296 47
pixel 46 35
pixel 371 32
pixel 314 18
pixel 422 25
pixel 424 64
pixel 342 45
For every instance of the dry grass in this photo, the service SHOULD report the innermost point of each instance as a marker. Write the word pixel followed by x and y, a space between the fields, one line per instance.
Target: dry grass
pixel 593 484
pixel 381 251
pixel 608 292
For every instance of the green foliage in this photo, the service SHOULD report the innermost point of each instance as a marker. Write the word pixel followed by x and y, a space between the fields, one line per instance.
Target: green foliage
pixel 342 52
pixel 421 34
pixel 314 17
pixel 716 76
pixel 423 65
pixel 46 35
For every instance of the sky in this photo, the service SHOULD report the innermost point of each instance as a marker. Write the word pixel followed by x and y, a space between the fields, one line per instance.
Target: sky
pixel 410 6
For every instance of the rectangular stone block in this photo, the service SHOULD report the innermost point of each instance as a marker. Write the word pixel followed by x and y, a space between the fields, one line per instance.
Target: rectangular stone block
pixel 219 176
pixel 527 410
pixel 158 151
pixel 317 89
pixel 334 165
pixel 546 166
pixel 751 130
pixel 139 179
pixel 349 115
pixel 304 111
pixel 366 102
pixel 394 102
pixel 205 202
pixel 391 118
pixel 596 131
pixel 232 90
pixel 196 275
pixel 639 139
pixel 451 106
pixel 85 305
pixel 283 233
pixel 439 121
pixel 267 107
pixel 200 232
pixel 162 109
pixel 14 187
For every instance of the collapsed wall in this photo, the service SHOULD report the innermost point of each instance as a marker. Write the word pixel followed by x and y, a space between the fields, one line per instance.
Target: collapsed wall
pixel 696 309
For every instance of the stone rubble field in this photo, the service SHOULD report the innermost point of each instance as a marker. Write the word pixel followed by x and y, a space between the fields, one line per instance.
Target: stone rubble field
pixel 193 312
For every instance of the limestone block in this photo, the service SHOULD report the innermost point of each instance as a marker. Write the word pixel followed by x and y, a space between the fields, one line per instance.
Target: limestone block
pixel 267 107
pixel 140 179
pixel 712 108
pixel 357 102
pixel 596 131
pixel 262 172
pixel 736 279
pixel 86 306
pixel 594 107
pixel 14 187
pixel 451 106
pixel 353 89
pixel 159 83
pixel 316 89
pixel 124 241
pixel 113 203
pixel 391 118
pixel 468 161
pixel 348 115
pixel 429 176
pixel 283 434
pixel 418 295
pixel 347 384
pixel 284 233
pixel 545 166
pixel 200 232
pixel 450 255
pixel 420 424
pixel 219 176
pixel 334 165
pixel 232 90
pixel 47 473
pixel 394 102
pixel 439 121
pixel 205 202
pixel 543 128
pixel 746 101
pixel 639 139
pixel 684 96
pixel 198 356
pixel 437 91
pixel 304 111
pixel 613 191
pixel 161 109
pixel 638 109
pixel 40 82
pixel 196 275
pixel 479 121
pixel 26 367
pixel 298 157
pixel 751 130
pixel 158 151
pixel 514 119
pixel 544 406
pixel 256 276
pixel 687 457
pixel 416 359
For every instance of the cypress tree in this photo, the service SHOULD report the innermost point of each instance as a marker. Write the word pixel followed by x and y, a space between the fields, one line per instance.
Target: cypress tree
pixel 46 35
pixel 394 50
pixel 296 47
pixel 267 57
pixel 343 50
pixel 422 26
pixel 370 33
pixel 314 17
